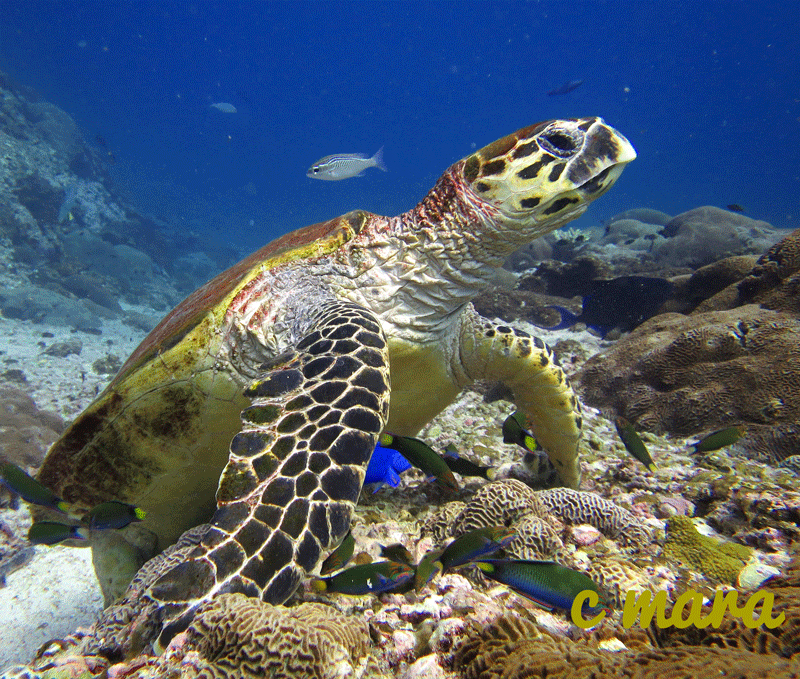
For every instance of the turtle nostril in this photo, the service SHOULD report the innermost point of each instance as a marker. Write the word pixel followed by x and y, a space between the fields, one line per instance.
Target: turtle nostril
pixel 560 143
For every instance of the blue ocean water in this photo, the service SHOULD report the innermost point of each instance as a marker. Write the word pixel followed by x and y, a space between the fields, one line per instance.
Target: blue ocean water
pixel 707 91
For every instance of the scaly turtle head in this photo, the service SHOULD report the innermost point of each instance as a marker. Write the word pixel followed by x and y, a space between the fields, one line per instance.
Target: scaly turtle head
pixel 541 177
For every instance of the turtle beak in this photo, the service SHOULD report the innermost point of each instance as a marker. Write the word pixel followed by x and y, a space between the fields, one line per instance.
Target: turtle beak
pixel 605 153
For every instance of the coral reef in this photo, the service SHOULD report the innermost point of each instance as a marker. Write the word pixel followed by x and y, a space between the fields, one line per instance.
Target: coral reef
pixel 691 374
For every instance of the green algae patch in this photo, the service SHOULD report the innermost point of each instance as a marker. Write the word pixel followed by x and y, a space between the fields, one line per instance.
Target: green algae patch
pixel 718 561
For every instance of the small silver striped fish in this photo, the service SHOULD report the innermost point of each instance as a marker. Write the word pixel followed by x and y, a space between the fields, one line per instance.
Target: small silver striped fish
pixel 345 165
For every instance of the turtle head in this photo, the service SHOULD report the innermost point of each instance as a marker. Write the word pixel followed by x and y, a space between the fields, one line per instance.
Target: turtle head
pixel 543 176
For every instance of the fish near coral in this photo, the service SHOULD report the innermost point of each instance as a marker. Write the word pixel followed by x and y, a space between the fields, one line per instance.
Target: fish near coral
pixel 339 557
pixel 465 467
pixel 423 457
pixel 633 443
pixel 718 439
pixel 370 578
pixel 475 544
pixel 397 552
pixel 385 467
pixel 29 489
pixel 622 303
pixel 546 583
pixel 429 567
pixel 112 514
pixel 514 432
pixel 53 532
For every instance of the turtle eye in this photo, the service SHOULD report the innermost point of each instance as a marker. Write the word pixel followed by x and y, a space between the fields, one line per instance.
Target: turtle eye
pixel 561 143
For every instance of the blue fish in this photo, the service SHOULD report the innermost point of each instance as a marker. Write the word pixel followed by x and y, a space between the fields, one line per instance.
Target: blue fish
pixel 385 466
pixel 622 303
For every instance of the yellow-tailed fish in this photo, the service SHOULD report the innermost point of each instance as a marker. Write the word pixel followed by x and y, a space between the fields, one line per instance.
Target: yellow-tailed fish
pixel 339 557
pixel 514 431
pixel 29 489
pixel 423 457
pixel 428 567
pixel 371 578
pixel 52 532
pixel 548 584
pixel 718 439
pixel 633 443
pixel 112 514
pixel 475 544
pixel 397 552
pixel 461 465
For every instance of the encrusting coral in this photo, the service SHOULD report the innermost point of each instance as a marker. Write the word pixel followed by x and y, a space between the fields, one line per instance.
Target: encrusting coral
pixel 718 561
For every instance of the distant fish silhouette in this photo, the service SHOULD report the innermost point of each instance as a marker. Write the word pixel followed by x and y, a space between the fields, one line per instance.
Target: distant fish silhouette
pixel 224 107
pixel 101 140
pixel 735 207
pixel 623 303
pixel 565 88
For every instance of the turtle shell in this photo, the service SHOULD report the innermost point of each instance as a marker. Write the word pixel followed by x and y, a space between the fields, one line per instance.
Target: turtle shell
pixel 158 435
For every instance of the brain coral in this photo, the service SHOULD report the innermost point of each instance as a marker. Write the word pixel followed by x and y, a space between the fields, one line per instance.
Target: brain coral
pixel 241 637
pixel 536 516
pixel 691 374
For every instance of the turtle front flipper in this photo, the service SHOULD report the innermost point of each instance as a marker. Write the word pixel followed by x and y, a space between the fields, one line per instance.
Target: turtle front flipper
pixel 525 364
pixel 295 470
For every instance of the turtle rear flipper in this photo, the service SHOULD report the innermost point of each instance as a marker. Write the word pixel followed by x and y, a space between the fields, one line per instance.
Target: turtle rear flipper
pixel 295 469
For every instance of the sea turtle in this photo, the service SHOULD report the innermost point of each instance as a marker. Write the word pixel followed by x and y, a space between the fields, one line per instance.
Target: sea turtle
pixel 256 403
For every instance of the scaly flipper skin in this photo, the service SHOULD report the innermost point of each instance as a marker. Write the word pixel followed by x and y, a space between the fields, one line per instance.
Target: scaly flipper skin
pixel 295 470
pixel 525 364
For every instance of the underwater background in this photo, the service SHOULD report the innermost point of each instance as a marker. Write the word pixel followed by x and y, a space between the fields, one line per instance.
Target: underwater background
pixel 708 92
pixel 145 146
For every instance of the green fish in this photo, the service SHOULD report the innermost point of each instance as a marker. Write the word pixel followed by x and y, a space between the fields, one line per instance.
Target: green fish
pixel 339 557
pixel 371 578
pixel 718 439
pixel 423 457
pixel 546 583
pixel 429 566
pixel 475 544
pixel 514 431
pixel 52 532
pixel 29 489
pixel 461 465
pixel 112 514
pixel 633 443
pixel 397 552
